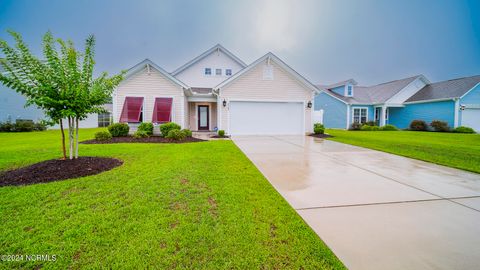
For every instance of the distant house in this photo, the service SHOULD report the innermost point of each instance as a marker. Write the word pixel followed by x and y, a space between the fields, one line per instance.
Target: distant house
pixel 12 108
pixel 456 102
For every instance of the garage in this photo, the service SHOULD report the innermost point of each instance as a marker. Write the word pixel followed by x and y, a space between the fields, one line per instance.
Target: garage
pixel 471 118
pixel 266 118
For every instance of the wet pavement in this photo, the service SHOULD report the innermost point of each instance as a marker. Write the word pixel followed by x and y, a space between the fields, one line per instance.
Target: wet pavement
pixel 373 209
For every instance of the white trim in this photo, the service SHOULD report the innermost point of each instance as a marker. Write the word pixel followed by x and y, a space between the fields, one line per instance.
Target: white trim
pixel 466 93
pixel 114 105
pixel 421 77
pixel 207 53
pixel 348 115
pixel 429 100
pixel 456 114
pixel 202 99
pixel 269 57
pixel 146 63
pixel 346 90
pixel 353 113
pixel 219 112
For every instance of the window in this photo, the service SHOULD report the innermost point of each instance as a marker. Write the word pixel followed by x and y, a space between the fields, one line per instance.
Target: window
pixel 132 111
pixel 360 115
pixel 162 111
pixel 208 71
pixel 268 72
pixel 228 72
pixel 386 113
pixel 349 90
pixel 104 119
pixel 218 72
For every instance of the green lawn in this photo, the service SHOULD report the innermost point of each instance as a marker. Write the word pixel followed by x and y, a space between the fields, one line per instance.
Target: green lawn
pixel 197 205
pixel 450 149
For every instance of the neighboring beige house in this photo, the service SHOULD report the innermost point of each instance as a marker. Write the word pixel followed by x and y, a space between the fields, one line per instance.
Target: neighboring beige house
pixel 216 90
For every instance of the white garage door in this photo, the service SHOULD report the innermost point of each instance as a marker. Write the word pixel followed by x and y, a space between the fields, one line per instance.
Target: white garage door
pixel 266 118
pixel 471 118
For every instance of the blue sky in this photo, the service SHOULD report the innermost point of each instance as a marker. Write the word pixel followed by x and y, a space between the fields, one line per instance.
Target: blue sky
pixel 326 41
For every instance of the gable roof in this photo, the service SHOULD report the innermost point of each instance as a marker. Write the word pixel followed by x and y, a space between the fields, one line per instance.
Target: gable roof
pixel 140 66
pixel 450 89
pixel 277 60
pixel 375 94
pixel 207 53
pixel 349 81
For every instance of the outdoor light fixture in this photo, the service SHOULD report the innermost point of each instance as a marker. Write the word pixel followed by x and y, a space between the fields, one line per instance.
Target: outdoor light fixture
pixel 309 104
pixel 462 107
pixel 224 103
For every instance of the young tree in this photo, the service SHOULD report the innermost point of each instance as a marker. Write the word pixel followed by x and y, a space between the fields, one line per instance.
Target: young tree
pixel 61 85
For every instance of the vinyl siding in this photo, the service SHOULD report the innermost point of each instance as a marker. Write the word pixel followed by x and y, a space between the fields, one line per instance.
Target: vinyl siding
pixel 442 110
pixel 472 97
pixel 252 86
pixel 150 86
pixel 339 90
pixel 334 111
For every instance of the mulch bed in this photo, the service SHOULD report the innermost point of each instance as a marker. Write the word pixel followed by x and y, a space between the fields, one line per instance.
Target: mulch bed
pixel 151 139
pixel 320 135
pixel 57 169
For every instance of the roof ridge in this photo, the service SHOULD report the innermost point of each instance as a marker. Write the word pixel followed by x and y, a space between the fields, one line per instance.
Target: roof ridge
pixel 396 80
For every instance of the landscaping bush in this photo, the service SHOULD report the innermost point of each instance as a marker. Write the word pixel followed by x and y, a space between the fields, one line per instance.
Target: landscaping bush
pixel 389 128
pixel 147 127
pixel 440 126
pixel 175 134
pixel 356 126
pixel 167 127
pixel 369 128
pixel 418 125
pixel 118 129
pixel 187 132
pixel 318 128
pixel 103 136
pixel 6 127
pixel 23 126
pixel 221 133
pixel 40 126
pixel 462 129
pixel 371 123
pixel 140 134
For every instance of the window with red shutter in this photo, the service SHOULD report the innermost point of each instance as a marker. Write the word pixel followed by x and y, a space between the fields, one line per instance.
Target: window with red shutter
pixel 162 110
pixel 132 110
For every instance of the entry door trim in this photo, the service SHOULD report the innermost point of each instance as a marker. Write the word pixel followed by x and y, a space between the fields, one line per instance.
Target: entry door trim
pixel 208 117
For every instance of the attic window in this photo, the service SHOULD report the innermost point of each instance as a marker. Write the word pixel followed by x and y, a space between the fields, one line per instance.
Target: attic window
pixel 218 72
pixel 268 72
pixel 228 72
pixel 349 90
pixel 208 71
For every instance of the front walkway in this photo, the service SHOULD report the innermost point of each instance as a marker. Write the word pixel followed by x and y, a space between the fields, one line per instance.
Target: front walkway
pixel 375 210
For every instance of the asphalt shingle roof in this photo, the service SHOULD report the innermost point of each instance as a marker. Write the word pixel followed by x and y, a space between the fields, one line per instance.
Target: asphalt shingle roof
pixel 447 89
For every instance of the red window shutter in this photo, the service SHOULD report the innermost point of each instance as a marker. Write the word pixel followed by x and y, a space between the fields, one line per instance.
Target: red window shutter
pixel 162 111
pixel 132 109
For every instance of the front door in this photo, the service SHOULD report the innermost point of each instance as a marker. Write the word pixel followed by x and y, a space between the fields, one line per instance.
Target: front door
pixel 203 117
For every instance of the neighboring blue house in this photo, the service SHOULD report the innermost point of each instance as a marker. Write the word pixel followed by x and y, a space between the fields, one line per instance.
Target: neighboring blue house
pixel 399 102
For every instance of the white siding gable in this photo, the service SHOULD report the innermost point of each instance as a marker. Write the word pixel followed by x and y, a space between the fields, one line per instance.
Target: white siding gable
pixel 408 91
pixel 194 75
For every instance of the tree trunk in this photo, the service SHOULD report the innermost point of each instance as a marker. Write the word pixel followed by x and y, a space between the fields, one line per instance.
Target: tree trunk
pixel 70 136
pixel 76 137
pixel 63 140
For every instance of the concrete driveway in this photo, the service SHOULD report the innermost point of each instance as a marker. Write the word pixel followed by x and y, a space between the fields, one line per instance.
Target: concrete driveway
pixel 375 210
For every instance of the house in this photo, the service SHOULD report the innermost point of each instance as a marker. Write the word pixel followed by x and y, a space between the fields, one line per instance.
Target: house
pixel 12 108
pixel 398 102
pixel 218 91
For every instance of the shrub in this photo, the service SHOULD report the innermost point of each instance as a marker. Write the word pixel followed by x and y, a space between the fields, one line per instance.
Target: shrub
pixel 187 132
pixel 118 129
pixel 462 129
pixel 103 136
pixel 147 127
pixel 440 126
pixel 167 127
pixel 418 125
pixel 140 134
pixel 6 127
pixel 371 123
pixel 369 128
pixel 23 126
pixel 221 133
pixel 175 134
pixel 40 126
pixel 355 126
pixel 389 128
pixel 318 128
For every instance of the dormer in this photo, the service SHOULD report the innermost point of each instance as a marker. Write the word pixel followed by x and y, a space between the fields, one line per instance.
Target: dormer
pixel 345 88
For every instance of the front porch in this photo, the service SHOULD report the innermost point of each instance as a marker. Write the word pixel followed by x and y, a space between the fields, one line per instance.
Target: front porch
pixel 201 110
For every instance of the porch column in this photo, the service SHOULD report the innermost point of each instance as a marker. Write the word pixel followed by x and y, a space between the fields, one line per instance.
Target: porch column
pixel 383 121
